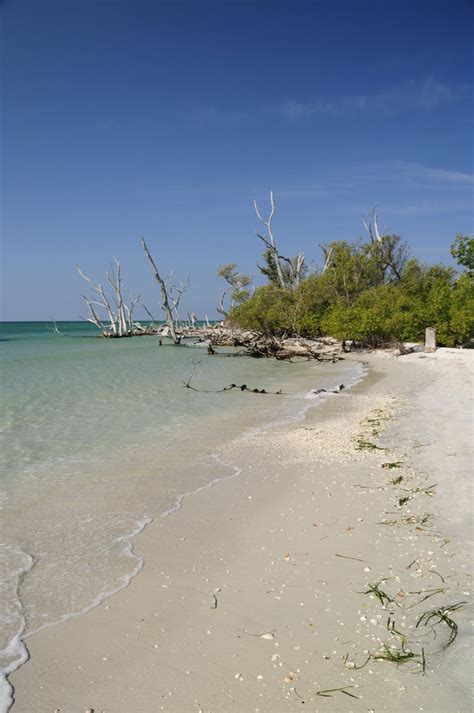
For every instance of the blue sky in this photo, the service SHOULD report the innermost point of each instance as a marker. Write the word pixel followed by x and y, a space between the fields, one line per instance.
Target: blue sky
pixel 167 119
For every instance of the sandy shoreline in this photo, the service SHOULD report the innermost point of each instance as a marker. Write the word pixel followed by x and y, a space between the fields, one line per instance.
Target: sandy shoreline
pixel 287 550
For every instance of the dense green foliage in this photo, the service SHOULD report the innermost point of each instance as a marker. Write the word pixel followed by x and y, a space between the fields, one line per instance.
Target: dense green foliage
pixel 372 293
pixel 463 251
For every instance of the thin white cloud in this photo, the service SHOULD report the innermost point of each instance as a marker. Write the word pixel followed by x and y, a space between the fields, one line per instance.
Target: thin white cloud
pixel 428 207
pixel 405 188
pixel 442 175
pixel 395 171
pixel 414 95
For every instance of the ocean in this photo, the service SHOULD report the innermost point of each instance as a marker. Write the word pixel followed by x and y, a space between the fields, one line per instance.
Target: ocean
pixel 98 438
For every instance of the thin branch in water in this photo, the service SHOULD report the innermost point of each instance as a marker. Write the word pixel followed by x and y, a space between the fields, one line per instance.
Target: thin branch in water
pixel 188 382
pixel 242 387
pixel 153 319
pixel 54 328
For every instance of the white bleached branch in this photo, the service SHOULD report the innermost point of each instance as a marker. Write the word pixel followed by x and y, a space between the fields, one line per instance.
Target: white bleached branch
pixel 327 257
pixel 166 306
pixel 120 319
pixel 371 226
pixel 269 241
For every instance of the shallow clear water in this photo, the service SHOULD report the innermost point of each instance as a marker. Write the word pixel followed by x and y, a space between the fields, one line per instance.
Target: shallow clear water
pixel 98 437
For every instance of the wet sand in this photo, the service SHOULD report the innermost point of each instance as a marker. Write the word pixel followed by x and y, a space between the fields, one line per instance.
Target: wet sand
pixel 258 595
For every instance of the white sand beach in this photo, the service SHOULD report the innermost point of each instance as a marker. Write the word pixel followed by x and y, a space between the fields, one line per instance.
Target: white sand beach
pixel 258 595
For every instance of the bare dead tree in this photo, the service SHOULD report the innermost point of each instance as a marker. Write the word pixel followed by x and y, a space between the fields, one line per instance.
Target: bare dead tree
pixel 269 240
pixel 169 303
pixel 289 274
pixel 115 281
pixel 118 321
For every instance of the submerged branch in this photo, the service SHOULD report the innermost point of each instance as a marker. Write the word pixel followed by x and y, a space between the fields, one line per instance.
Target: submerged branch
pixel 242 387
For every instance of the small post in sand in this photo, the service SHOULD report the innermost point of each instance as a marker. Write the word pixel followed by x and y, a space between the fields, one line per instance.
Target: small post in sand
pixel 430 340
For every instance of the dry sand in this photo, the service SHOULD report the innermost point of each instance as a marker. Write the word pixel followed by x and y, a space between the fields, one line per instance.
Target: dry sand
pixel 254 596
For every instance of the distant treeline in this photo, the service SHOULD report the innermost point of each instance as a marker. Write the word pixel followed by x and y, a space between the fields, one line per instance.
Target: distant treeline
pixel 370 291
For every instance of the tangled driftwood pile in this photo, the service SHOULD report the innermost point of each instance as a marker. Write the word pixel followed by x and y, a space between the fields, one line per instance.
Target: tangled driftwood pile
pixel 252 344
pixel 259 345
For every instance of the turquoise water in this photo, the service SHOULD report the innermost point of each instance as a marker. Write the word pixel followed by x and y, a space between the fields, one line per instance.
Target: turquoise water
pixel 97 438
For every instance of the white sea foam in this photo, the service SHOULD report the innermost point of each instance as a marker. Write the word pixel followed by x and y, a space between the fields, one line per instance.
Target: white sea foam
pixel 19 654
pixel 15 653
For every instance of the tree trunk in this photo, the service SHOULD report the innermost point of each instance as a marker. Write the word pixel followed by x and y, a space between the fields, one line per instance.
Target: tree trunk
pixel 164 296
